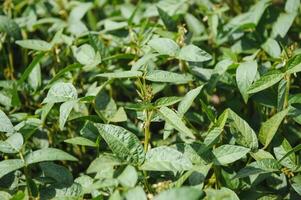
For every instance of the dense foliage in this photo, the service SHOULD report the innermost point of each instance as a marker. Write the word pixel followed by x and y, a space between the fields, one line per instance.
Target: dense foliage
pixel 136 100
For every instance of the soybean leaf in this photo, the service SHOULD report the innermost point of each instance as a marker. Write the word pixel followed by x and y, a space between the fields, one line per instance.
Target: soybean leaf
pixel 265 82
pixel 227 154
pixel 122 74
pixel 212 136
pixel 129 177
pixel 122 142
pixel 65 110
pixel 61 92
pixel 188 99
pixel 47 154
pixel 10 27
pixel 294 64
pixel 164 158
pixel 194 54
pixel 136 193
pixel 282 150
pixel 180 193
pixel 103 161
pixel 12 144
pixel 245 75
pixel 167 101
pixel 167 77
pixel 5 123
pixel 81 141
pixel 272 48
pixel 245 135
pixel 173 119
pixel 223 193
pixel 258 167
pixel 282 25
pixel 269 128
pixel 164 46
pixel 38 45
pixel 169 23
pixel 7 166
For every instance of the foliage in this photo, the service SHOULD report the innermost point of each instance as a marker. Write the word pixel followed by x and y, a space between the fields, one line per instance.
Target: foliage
pixel 150 99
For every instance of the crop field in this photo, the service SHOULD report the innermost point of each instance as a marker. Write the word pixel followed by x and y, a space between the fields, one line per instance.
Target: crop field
pixel 150 99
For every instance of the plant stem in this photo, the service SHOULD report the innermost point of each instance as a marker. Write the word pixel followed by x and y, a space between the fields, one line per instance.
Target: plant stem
pixel 288 78
pixel 26 175
pixel 147 133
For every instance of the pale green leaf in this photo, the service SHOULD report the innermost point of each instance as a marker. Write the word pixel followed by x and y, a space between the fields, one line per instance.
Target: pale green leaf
pixel 194 54
pixel 38 45
pixel 188 99
pixel 61 92
pixel 164 46
pixel 227 154
pixel 81 141
pixel 7 166
pixel 168 77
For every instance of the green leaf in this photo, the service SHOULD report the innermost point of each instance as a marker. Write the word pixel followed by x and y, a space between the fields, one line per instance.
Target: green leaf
pixel 10 27
pixel 122 142
pixel 173 119
pixel 166 101
pixel 121 74
pixel 5 123
pixel 86 55
pixel 164 158
pixel 47 154
pixel 61 92
pixel 227 154
pixel 65 110
pixel 272 47
pixel 167 77
pixel 269 128
pixel 169 23
pixel 164 46
pixel 12 144
pixel 188 99
pixel 266 81
pixel 245 135
pixel 81 141
pixel 282 150
pixel 194 54
pixel 283 24
pixel 7 166
pixel 30 67
pixel 136 193
pixel 102 162
pixel 245 75
pixel 258 167
pixel 180 194
pixel 38 45
pixel 212 136
pixel 294 64
pixel 128 177
pixel 221 194
pixel 292 6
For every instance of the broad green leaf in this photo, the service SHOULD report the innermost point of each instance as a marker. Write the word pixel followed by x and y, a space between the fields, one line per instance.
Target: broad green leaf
pixel 85 55
pixel 103 161
pixel 272 48
pixel 30 68
pixel 173 119
pixel 194 25
pixel 261 154
pixel 258 167
pixel 194 54
pixel 164 46
pixel 169 23
pixel 12 144
pixel 188 99
pixel 227 154
pixel 296 184
pixel 282 150
pixel 265 81
pixel 245 135
pixel 122 142
pixel 10 27
pixel 283 24
pixel 121 74
pixel 81 141
pixel 119 116
pixel 295 149
pixel 128 177
pixel 281 94
pixel 292 6
pixel 47 154
pixel 38 45
pixel 212 137
pixel 136 193
pixel 294 64
pixel 221 194
pixel 5 123
pixel 166 101
pixel 61 92
pixel 7 166
pixel 269 128
pixel 180 194
pixel 167 77
pixel 164 158
pixel 35 77
pixel 245 75
pixel 65 110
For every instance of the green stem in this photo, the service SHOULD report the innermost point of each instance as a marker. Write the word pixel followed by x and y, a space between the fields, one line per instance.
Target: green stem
pixel 147 134
pixel 288 83
pixel 26 173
